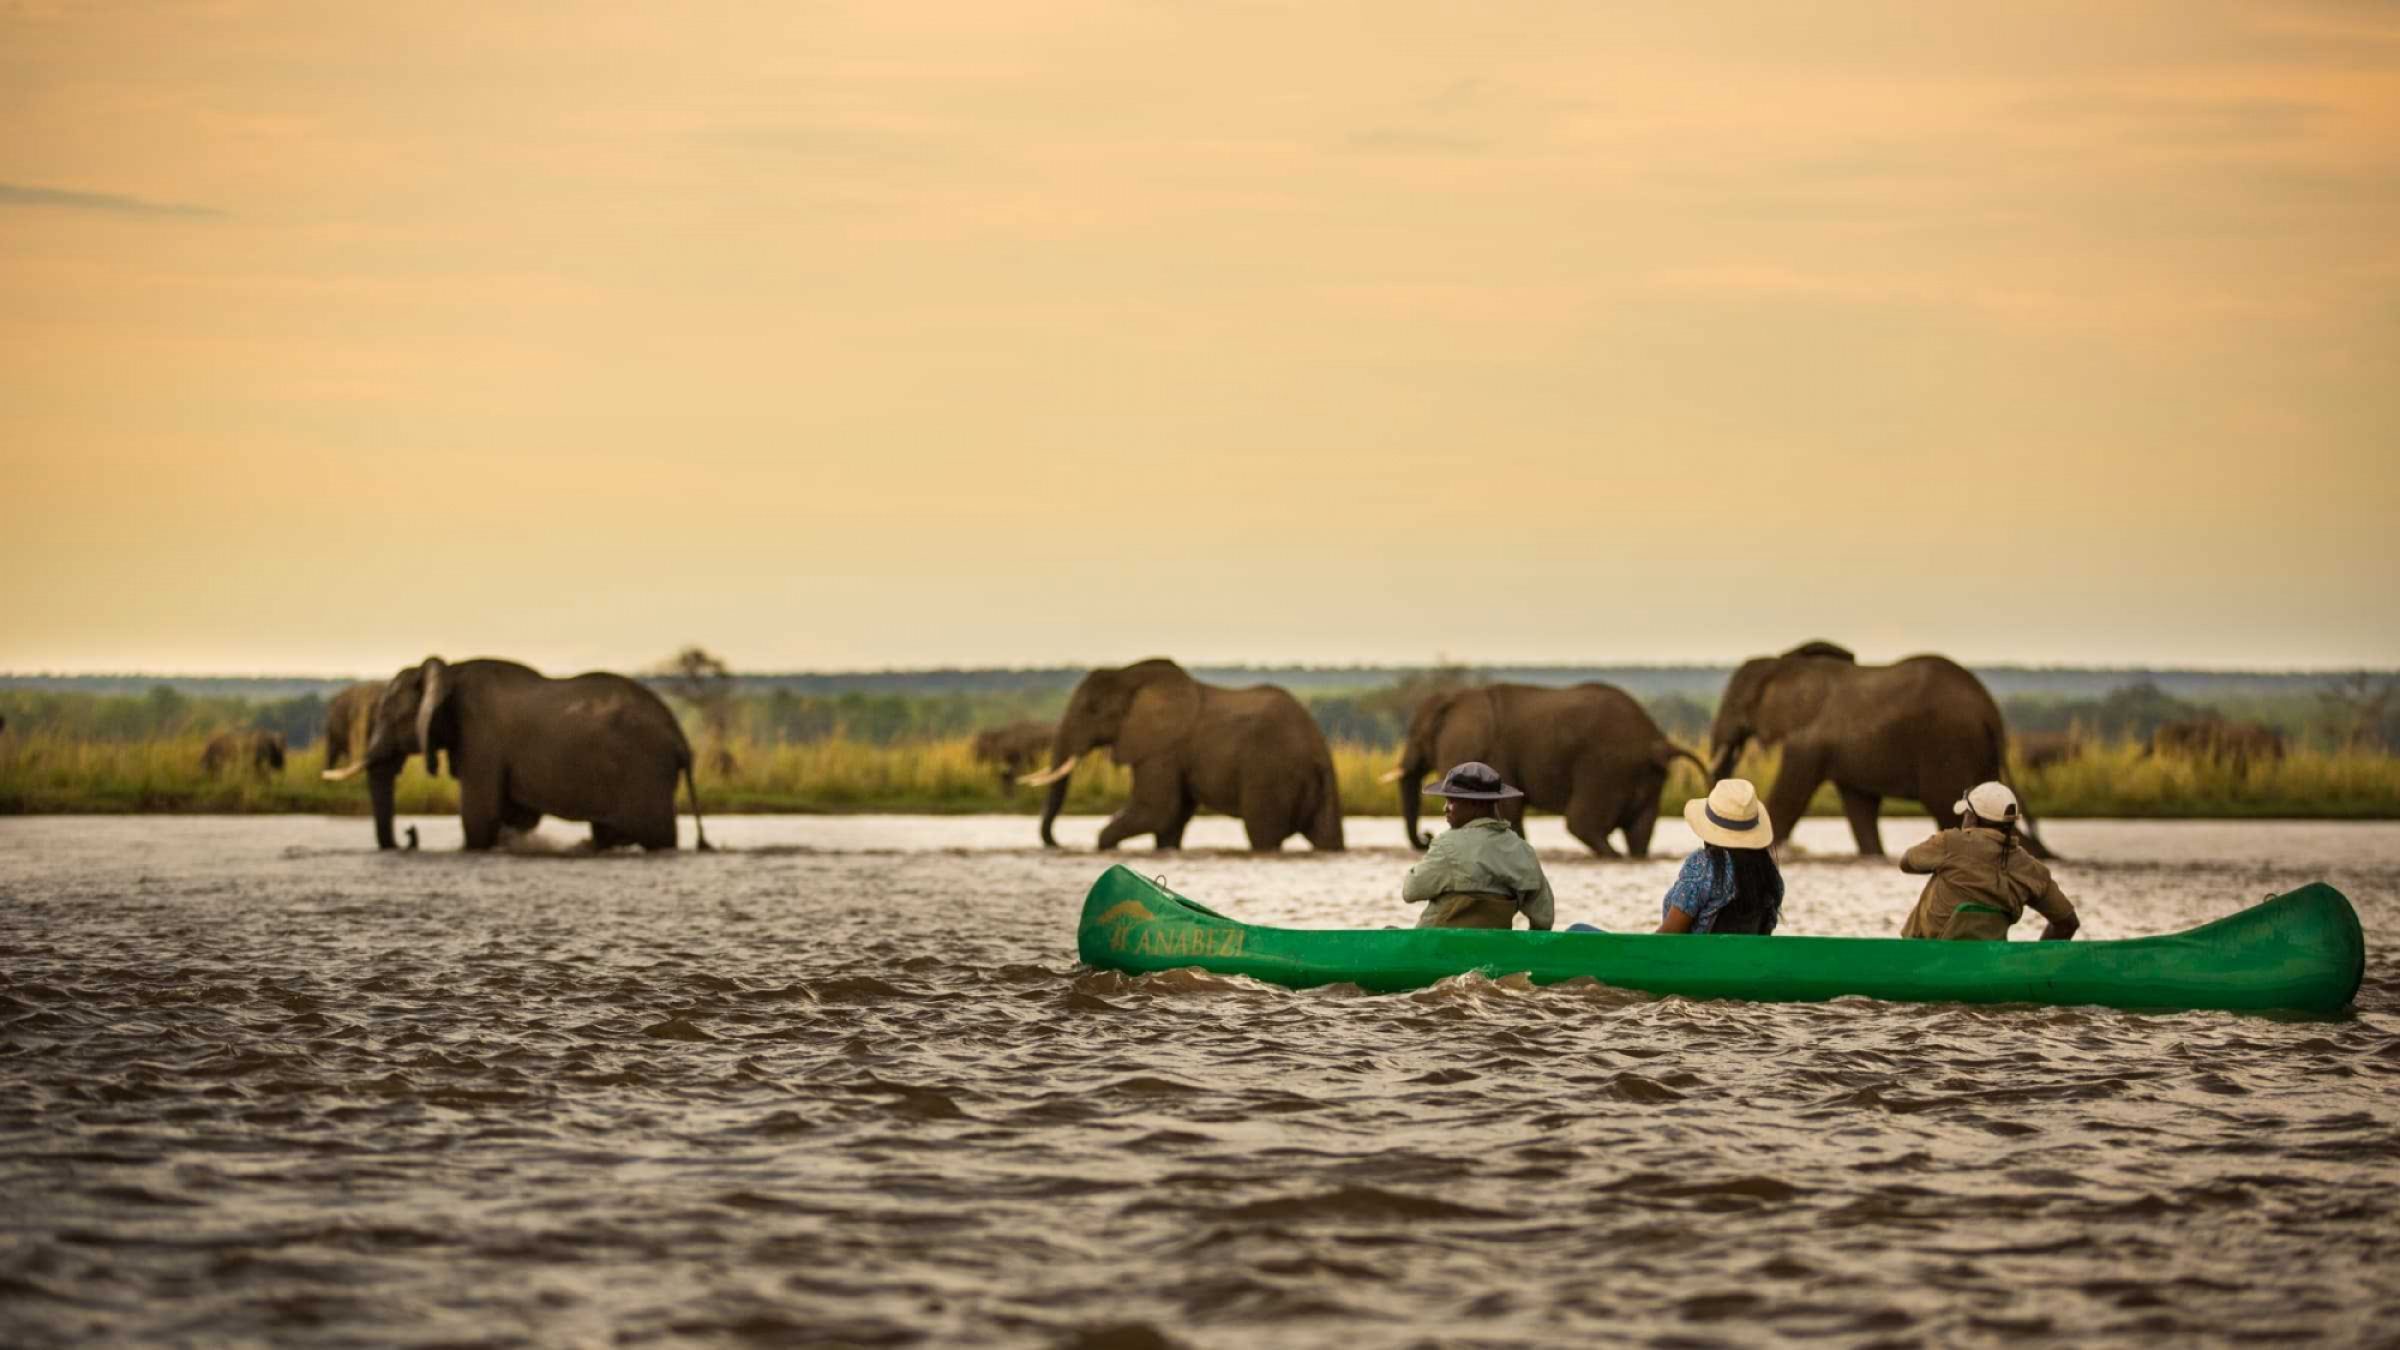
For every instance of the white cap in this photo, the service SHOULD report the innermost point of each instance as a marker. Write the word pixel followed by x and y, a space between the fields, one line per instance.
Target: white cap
pixel 1991 802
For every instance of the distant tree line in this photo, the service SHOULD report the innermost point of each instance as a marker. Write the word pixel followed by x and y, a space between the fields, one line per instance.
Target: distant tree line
pixel 2359 710
pixel 160 713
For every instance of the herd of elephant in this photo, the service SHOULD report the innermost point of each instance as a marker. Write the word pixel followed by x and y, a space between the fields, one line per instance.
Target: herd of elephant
pixel 1923 729
pixel 606 750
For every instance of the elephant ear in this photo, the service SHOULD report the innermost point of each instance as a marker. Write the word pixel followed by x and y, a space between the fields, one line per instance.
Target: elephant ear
pixel 429 704
pixel 1162 717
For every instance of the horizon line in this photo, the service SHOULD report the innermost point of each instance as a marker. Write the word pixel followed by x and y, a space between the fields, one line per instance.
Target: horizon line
pixel 835 672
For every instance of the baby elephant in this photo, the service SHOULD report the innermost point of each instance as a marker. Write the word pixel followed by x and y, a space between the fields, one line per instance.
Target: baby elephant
pixel 1014 750
pixel 2216 740
pixel 259 752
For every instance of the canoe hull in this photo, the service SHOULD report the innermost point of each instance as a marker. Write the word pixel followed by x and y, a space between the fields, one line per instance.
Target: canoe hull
pixel 2302 951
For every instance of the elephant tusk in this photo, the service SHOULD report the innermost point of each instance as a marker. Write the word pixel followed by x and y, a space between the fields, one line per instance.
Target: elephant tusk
pixel 1049 776
pixel 1392 776
pixel 343 775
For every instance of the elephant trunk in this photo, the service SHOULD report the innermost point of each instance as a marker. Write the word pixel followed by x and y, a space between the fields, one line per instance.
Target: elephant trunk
pixel 1412 794
pixel 382 779
pixel 1728 755
pixel 1068 745
pixel 1052 799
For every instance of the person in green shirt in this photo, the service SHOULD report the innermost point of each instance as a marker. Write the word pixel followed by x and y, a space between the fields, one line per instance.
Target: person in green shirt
pixel 1481 873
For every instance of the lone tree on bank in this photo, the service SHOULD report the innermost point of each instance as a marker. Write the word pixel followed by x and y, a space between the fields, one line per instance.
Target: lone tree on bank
pixel 701 678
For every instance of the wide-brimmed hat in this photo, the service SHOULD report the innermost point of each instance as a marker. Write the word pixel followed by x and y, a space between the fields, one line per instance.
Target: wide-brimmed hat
pixel 1473 781
pixel 1731 816
pixel 1992 803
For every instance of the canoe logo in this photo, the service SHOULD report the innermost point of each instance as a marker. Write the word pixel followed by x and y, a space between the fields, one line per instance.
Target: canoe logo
pixel 1190 942
pixel 1120 919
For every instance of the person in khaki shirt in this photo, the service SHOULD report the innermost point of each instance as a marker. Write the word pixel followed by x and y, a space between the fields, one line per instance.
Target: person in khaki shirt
pixel 1981 880
pixel 1481 873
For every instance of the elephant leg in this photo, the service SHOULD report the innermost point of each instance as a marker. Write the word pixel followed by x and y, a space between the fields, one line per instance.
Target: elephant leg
pixel 1938 806
pixel 606 837
pixel 1156 799
pixel 481 810
pixel 1170 835
pixel 1590 816
pixel 1267 822
pixel 521 818
pixel 1802 774
pixel 1864 810
pixel 1638 828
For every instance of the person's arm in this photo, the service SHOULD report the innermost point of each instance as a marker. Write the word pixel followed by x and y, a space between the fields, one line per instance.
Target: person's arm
pixel 1431 877
pixel 1541 910
pixel 1685 897
pixel 1925 857
pixel 2052 904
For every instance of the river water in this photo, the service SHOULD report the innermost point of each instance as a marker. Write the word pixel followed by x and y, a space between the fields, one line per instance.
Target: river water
pixel 845 1082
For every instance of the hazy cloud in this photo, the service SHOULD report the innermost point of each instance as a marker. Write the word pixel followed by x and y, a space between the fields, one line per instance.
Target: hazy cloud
pixel 2182 121
pixel 1398 141
pixel 19 194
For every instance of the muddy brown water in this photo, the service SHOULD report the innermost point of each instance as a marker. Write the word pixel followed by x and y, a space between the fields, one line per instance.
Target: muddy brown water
pixel 845 1082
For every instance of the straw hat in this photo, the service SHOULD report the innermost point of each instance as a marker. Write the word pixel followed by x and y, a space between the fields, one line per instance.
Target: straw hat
pixel 1992 803
pixel 1473 781
pixel 1731 816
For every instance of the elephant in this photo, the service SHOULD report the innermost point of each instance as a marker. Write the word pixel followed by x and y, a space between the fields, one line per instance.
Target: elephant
pixel 260 753
pixel 1014 749
pixel 1253 753
pixel 1922 728
pixel 2218 741
pixel 1588 752
pixel 346 722
pixel 599 748
pixel 2044 749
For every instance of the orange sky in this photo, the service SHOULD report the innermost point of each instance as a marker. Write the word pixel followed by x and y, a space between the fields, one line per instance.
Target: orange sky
pixel 866 334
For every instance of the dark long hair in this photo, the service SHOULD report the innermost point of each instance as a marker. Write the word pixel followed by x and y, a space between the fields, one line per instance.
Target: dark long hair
pixel 1757 884
pixel 2008 834
pixel 1754 871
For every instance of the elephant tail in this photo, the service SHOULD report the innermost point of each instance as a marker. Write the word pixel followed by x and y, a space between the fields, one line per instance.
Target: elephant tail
pixel 1666 752
pixel 699 826
pixel 2033 836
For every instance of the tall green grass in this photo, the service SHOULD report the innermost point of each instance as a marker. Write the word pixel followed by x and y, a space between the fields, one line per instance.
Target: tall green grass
pixel 49 773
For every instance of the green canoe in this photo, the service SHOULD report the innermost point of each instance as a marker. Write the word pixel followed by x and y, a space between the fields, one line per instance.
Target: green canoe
pixel 2301 951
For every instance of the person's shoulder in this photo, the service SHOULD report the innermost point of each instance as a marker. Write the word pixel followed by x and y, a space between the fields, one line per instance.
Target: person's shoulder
pixel 1467 836
pixel 1487 831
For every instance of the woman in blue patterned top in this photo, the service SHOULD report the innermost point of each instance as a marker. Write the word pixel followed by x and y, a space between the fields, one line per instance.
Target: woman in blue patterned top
pixel 1731 884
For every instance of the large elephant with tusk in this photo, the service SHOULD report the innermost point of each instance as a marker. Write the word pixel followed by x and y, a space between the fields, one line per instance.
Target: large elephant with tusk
pixel 1588 752
pixel 1923 728
pixel 598 748
pixel 1253 753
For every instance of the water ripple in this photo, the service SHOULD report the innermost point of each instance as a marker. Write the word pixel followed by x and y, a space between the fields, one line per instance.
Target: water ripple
pixel 259 1083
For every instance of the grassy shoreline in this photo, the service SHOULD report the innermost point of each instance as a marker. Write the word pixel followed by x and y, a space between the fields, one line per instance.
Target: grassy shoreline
pixel 53 775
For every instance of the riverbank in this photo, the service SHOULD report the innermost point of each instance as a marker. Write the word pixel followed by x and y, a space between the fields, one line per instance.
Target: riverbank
pixel 51 775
